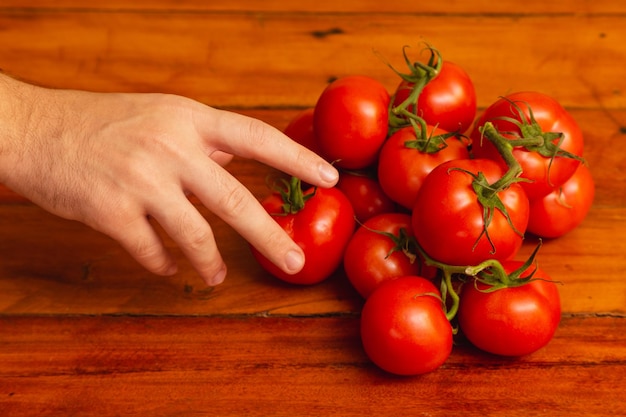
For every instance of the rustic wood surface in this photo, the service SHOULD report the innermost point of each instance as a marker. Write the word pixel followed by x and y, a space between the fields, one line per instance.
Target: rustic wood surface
pixel 85 331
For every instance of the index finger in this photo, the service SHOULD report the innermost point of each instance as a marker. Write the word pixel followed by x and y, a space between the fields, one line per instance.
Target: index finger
pixel 251 138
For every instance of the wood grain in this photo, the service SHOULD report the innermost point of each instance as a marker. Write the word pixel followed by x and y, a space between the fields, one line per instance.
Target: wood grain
pixel 85 331
pixel 243 366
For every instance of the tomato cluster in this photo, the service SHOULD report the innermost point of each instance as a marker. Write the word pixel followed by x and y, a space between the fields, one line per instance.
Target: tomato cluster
pixel 432 207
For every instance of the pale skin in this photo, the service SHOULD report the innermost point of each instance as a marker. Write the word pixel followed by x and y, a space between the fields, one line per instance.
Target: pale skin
pixel 119 162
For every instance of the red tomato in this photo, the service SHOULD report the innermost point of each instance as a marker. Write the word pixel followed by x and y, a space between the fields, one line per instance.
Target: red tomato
pixel 322 228
pixel 448 220
pixel 447 101
pixel 404 329
pixel 351 120
pixel 380 250
pixel 546 173
pixel 511 321
pixel 300 129
pixel 364 192
pixel 402 168
pixel 565 208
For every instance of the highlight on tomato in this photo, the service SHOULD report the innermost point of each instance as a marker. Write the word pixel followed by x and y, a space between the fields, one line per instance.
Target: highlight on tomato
pixel 320 220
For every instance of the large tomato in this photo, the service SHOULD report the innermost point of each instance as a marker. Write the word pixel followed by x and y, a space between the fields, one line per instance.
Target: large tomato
pixel 447 101
pixel 511 115
pixel 351 121
pixel 511 321
pixel 565 208
pixel 454 227
pixel 404 329
pixel 402 165
pixel 365 193
pixel 382 249
pixel 322 227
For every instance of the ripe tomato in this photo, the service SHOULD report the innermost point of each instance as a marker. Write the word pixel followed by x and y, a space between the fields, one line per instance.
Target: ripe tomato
pixel 402 167
pixel 448 101
pixel 300 129
pixel 382 249
pixel 544 171
pixel 351 120
pixel 511 321
pixel 322 228
pixel 565 208
pixel 404 329
pixel 366 195
pixel 449 221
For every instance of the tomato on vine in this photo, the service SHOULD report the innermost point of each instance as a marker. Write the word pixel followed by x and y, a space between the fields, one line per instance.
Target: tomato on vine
pixel 547 141
pixel 382 249
pixel 300 129
pixel 410 154
pixel 365 193
pixel 439 92
pixel 462 217
pixel 319 220
pixel 404 329
pixel 565 208
pixel 516 318
pixel 350 121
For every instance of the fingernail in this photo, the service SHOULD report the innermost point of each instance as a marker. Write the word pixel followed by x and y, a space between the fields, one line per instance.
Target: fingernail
pixel 328 173
pixel 294 261
pixel 217 278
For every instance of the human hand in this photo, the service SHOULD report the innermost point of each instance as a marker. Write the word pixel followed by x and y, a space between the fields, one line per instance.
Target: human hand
pixel 112 161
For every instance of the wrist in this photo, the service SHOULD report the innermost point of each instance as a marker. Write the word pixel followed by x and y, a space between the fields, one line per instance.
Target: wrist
pixel 21 120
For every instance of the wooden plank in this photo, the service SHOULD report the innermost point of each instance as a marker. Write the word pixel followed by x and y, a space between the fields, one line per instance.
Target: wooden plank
pixel 101 366
pixel 396 7
pixel 286 59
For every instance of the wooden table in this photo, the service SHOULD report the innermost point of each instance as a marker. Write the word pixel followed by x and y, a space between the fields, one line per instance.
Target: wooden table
pixel 85 331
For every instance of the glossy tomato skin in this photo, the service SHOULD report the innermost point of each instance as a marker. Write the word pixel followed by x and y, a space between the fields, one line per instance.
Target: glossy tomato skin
pixel 300 129
pixel 366 195
pixel 371 257
pixel 448 219
pixel 351 121
pixel 513 321
pixel 545 175
pixel 322 229
pixel 565 208
pixel 401 169
pixel 404 329
pixel 448 100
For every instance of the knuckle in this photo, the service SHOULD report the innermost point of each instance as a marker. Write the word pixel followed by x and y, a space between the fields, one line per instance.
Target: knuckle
pixel 196 239
pixel 234 203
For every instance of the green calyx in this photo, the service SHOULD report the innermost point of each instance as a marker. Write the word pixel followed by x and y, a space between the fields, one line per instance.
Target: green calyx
pixel 418 76
pixel 426 142
pixel 292 195
pixel 402 243
pixel 532 137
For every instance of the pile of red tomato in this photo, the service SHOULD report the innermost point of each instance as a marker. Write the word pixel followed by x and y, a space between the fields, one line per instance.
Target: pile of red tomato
pixel 431 209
